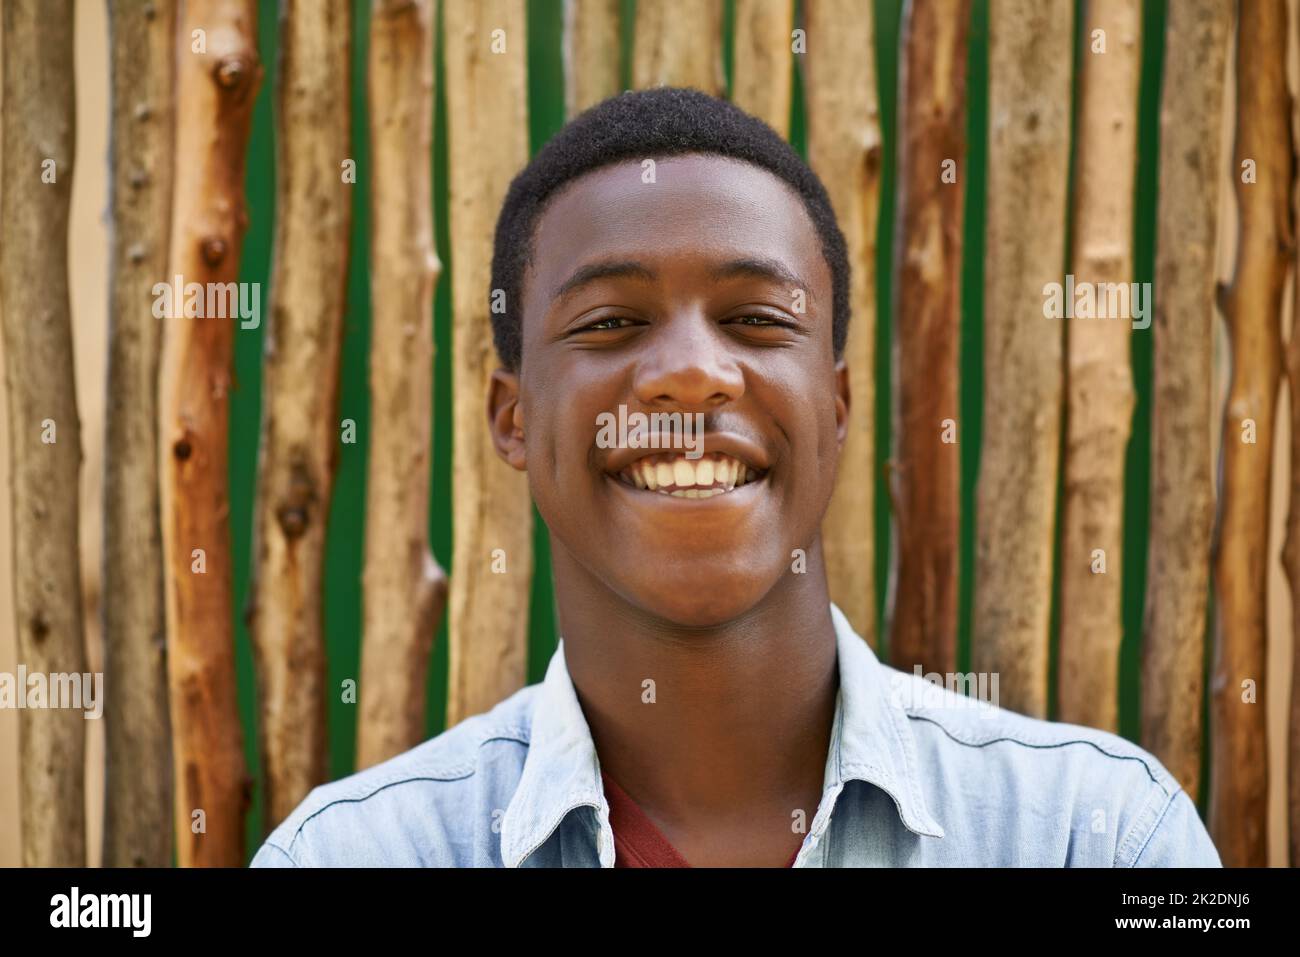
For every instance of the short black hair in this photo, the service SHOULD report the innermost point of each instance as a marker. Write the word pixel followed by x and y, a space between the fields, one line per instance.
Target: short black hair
pixel 663 121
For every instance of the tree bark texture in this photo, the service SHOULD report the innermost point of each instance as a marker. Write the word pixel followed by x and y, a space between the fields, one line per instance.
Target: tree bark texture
pixel 138 790
pixel 300 429
pixel 215 90
pixel 764 60
pixel 1099 378
pixel 1252 308
pixel 492 563
pixel 39 120
pixel 592 64
pixel 844 150
pixel 1028 163
pixel 925 474
pixel 678 43
pixel 405 589
pixel 1182 480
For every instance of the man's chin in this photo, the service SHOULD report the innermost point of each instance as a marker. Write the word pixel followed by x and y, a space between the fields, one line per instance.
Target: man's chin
pixel 693 600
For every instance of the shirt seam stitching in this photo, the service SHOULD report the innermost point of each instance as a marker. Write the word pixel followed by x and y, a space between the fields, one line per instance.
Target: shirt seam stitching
pixel 1056 744
pixel 902 736
pixel 455 772
pixel 1160 819
pixel 366 797
pixel 293 860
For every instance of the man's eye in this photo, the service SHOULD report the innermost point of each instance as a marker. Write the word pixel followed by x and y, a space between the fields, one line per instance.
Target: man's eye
pixel 758 319
pixel 609 322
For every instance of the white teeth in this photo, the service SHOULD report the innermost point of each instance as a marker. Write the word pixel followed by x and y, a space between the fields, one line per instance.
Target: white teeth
pixel 703 479
pixel 683 473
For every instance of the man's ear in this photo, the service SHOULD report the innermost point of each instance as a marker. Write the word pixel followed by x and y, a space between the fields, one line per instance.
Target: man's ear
pixel 506 418
pixel 843 401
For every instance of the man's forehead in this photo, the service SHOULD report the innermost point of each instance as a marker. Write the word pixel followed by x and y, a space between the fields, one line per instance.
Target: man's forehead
pixel 707 210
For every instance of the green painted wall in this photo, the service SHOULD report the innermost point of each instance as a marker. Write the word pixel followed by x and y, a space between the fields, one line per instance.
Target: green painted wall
pixel 546 115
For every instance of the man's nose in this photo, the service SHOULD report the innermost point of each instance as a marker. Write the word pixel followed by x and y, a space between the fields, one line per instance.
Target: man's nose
pixel 688 365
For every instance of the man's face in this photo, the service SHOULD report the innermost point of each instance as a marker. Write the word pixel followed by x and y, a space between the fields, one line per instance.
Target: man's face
pixel 718 302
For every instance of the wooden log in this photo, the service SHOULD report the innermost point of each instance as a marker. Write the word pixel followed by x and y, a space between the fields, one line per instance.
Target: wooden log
pixel 925 474
pixel 300 430
pixel 138 751
pixel 1291 564
pixel 763 60
pixel 592 65
pixel 1182 481
pixel 1252 308
pixel 678 43
pixel 404 587
pixel 487 124
pixel 1099 380
pixel 1030 45
pixel 844 150
pixel 39 131
pixel 215 90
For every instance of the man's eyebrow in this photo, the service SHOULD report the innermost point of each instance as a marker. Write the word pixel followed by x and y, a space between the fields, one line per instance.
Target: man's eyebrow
pixel 610 269
pixel 771 269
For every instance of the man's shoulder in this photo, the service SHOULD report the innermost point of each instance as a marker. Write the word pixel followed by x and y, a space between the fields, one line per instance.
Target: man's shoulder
pixel 946 718
pixel 438 804
pixel 1093 782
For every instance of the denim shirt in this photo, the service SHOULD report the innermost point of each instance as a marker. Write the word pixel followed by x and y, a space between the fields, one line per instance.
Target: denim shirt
pixel 917 775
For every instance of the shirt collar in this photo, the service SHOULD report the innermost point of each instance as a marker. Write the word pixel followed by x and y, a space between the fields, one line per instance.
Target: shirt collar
pixel 561 772
pixel 871 741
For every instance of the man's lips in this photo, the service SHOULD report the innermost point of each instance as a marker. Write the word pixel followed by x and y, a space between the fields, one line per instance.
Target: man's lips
pixel 672 473
pixel 728 462
pixel 736 446
pixel 740 495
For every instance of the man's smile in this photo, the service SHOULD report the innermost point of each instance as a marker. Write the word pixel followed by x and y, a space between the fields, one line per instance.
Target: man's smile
pixel 731 463
pixel 672 473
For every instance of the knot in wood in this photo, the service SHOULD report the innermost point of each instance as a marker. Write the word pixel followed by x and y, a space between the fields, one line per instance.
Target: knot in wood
pixel 214 250
pixel 295 513
pixel 292 519
pixel 182 449
pixel 230 72
pixel 871 161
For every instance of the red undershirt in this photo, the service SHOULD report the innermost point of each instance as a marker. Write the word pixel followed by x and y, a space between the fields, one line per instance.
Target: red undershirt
pixel 637 841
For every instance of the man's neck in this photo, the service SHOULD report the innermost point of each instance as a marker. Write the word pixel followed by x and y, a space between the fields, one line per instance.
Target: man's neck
pixel 718 734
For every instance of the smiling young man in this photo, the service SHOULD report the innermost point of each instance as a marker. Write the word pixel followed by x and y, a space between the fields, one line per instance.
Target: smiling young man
pixel 668 256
